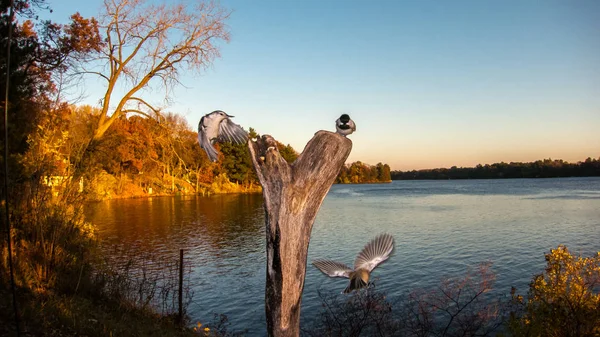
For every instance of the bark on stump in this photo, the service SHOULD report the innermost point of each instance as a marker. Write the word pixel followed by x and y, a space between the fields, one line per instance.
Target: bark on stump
pixel 293 194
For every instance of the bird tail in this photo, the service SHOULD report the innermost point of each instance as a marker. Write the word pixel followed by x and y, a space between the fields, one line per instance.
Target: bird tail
pixel 355 283
pixel 212 153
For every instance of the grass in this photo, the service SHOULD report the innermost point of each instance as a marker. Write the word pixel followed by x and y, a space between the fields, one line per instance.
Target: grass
pixel 51 314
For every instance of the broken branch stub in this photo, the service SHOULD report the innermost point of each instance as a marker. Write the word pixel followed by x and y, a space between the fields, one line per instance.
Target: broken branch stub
pixel 293 194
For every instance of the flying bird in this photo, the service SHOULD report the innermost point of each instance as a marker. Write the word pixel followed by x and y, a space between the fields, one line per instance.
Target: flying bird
pixel 218 127
pixel 374 253
pixel 344 125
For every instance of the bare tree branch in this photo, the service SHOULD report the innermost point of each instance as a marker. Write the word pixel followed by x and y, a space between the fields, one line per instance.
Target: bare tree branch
pixel 144 41
pixel 137 111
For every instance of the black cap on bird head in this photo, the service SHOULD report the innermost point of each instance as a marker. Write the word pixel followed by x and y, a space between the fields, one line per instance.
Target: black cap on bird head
pixel 344 118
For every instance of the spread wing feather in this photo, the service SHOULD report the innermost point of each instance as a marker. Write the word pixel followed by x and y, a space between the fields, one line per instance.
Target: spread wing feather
pixel 375 252
pixel 231 132
pixel 205 143
pixel 333 268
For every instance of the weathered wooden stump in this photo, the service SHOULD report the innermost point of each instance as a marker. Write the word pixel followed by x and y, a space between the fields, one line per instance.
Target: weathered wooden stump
pixel 293 194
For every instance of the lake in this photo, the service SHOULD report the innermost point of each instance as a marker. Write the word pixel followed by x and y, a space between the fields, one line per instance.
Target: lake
pixel 441 228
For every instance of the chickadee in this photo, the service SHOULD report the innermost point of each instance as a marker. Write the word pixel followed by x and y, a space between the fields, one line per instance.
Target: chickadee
pixel 344 125
pixel 374 253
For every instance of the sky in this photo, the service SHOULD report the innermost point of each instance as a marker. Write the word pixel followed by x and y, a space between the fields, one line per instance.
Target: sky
pixel 428 83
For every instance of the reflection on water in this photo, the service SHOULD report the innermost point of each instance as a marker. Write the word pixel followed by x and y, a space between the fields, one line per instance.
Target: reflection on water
pixel 223 238
pixel 211 224
pixel 440 227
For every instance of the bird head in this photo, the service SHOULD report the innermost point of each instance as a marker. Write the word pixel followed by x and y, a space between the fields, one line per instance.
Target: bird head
pixel 222 113
pixel 218 115
pixel 345 124
pixel 344 118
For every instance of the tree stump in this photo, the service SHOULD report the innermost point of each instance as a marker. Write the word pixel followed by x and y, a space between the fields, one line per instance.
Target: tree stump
pixel 293 194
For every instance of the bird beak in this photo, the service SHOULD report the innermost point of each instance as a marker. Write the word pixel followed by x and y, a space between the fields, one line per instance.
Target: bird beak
pixel 228 115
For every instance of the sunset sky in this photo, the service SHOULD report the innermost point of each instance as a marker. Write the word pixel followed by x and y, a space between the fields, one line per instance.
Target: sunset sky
pixel 428 83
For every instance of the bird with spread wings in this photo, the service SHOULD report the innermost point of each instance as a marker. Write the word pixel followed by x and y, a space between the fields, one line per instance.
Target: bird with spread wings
pixel 218 127
pixel 373 254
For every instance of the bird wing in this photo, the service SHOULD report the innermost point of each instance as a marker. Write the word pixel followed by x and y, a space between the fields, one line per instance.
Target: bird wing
pixel 205 142
pixel 231 132
pixel 375 252
pixel 332 268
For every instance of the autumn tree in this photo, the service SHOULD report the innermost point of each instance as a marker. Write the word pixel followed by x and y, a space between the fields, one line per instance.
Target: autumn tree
pixel 38 52
pixel 383 172
pixel 148 47
pixel 359 172
pixel 141 152
pixel 189 156
pixel 81 128
pixel 48 232
pixel 179 153
pixel 129 147
pixel 199 167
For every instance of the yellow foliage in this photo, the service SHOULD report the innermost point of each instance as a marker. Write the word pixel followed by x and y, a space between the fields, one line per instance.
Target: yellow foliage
pixel 562 301
pixel 221 185
pixel 103 186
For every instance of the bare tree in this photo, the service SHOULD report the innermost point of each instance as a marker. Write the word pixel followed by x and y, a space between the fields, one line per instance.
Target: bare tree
pixel 147 46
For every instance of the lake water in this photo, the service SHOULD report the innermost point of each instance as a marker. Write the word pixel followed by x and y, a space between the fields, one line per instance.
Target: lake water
pixel 440 228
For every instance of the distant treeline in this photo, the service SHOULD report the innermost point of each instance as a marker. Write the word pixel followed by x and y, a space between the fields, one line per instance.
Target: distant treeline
pixel 361 173
pixel 546 168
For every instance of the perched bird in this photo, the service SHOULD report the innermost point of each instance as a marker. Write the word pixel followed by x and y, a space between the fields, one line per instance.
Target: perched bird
pixel 344 125
pixel 218 127
pixel 374 253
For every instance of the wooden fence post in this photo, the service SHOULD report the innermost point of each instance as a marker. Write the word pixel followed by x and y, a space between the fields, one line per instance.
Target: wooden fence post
pixel 180 313
pixel 293 194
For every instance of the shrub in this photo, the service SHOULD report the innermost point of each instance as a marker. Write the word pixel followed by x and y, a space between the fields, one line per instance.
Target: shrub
pixel 562 301
pixel 460 306
pixel 364 313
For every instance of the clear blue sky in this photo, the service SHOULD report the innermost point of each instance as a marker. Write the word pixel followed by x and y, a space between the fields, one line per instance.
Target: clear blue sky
pixel 428 83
